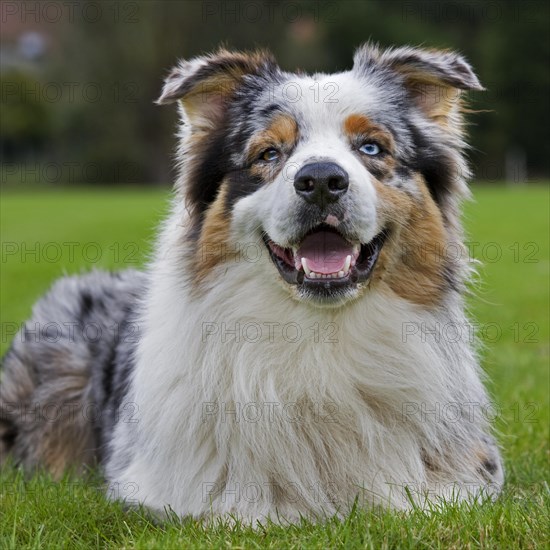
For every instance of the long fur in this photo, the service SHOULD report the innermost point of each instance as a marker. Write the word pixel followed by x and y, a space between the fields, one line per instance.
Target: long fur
pixel 229 391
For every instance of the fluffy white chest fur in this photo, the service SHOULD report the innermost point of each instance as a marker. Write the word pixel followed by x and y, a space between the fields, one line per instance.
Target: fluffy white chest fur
pixel 253 404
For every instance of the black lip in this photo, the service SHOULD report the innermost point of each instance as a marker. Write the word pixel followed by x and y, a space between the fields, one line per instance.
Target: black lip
pixel 287 272
pixel 361 272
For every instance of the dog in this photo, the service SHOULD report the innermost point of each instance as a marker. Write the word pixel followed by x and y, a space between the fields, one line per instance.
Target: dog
pixel 286 353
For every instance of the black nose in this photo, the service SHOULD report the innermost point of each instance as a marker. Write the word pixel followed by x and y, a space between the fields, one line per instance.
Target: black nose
pixel 321 183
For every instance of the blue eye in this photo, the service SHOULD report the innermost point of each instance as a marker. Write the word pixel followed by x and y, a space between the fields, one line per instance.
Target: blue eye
pixel 370 149
pixel 270 155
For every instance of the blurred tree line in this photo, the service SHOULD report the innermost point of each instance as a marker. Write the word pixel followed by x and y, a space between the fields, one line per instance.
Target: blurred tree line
pixel 78 83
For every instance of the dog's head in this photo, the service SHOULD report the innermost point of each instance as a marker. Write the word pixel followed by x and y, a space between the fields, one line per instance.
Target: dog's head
pixel 349 181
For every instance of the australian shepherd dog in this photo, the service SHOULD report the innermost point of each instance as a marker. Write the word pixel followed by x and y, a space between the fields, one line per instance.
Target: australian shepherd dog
pixel 298 343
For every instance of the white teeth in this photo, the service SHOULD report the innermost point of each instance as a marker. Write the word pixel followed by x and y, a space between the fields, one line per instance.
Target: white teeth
pixel 347 264
pixel 313 275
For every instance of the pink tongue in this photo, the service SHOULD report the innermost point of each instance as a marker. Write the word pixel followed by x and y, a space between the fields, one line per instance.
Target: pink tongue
pixel 325 252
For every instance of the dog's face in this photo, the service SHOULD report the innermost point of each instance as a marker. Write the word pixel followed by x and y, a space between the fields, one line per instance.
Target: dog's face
pixel 349 181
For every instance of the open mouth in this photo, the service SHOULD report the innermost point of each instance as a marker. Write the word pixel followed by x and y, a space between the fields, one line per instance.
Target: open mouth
pixel 325 259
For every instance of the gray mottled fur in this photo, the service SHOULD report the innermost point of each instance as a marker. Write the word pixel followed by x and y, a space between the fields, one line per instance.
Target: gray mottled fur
pixel 66 371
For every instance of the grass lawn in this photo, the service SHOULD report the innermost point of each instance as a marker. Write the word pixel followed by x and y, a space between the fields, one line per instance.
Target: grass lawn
pixel 46 234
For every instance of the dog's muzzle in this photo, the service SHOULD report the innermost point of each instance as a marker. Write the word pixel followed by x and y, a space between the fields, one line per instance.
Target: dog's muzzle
pixel 321 183
pixel 324 263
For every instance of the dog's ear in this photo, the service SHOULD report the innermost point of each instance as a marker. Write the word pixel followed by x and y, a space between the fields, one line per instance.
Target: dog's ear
pixel 434 78
pixel 206 84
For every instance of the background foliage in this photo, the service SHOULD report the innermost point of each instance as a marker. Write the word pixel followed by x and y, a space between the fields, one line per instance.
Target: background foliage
pixel 78 83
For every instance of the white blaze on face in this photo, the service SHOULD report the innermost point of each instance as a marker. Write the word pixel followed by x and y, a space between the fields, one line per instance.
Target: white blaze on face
pixel 320 106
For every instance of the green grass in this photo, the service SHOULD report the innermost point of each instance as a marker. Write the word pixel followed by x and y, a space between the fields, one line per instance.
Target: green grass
pixel 511 305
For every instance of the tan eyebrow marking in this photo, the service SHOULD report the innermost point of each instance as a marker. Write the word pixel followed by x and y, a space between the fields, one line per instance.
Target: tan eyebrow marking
pixel 282 133
pixel 357 125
